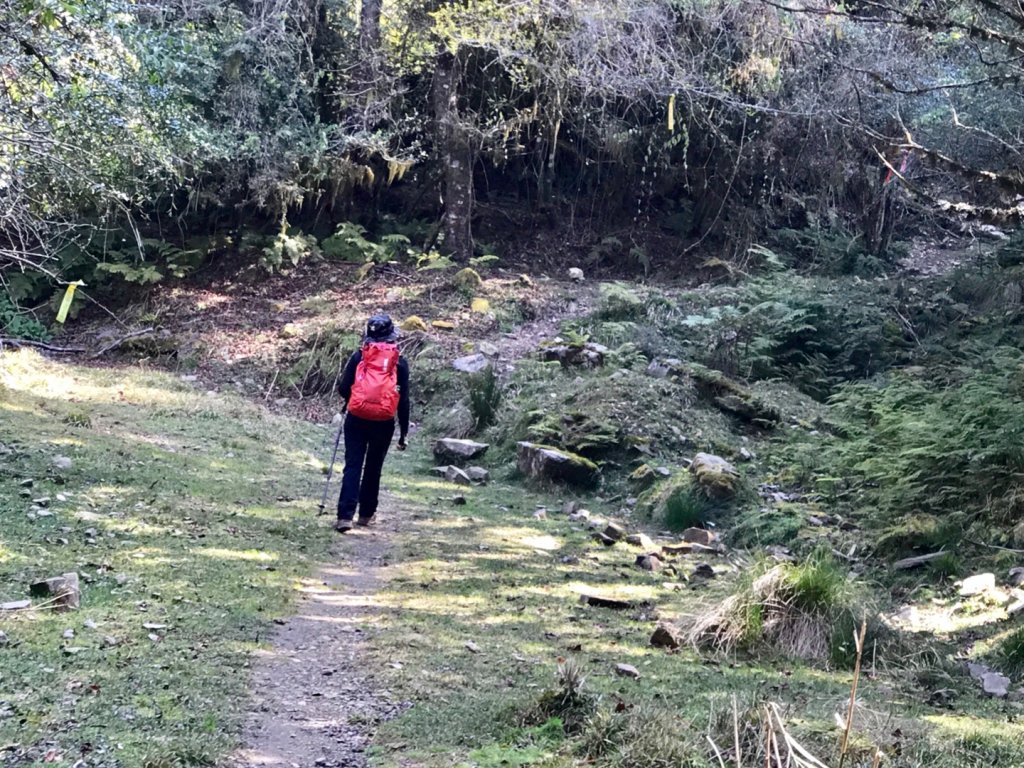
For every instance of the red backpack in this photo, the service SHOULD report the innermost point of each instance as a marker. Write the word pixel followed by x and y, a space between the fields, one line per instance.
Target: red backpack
pixel 375 390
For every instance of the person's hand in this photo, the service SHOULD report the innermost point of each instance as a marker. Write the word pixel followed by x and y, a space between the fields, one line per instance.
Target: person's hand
pixel 402 445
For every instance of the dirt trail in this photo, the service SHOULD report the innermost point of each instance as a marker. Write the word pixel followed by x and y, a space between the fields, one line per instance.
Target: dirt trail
pixel 315 702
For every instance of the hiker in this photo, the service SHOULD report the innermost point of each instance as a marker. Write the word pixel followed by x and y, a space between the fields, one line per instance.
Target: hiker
pixel 375 389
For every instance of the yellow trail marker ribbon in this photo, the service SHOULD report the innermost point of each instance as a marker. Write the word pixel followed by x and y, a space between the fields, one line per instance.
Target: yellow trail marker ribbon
pixel 65 304
pixel 672 113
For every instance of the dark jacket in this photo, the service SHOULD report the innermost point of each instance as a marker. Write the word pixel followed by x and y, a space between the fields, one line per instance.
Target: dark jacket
pixel 348 378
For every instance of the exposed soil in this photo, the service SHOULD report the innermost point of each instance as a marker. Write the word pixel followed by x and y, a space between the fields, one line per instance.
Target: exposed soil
pixel 315 700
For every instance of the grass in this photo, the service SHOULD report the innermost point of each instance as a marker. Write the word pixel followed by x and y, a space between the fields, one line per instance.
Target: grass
pixel 189 520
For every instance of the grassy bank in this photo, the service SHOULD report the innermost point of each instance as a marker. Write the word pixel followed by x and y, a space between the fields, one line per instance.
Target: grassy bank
pixel 188 518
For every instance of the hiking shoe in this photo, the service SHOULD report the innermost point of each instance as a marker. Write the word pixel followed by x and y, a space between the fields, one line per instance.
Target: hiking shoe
pixel 365 522
pixel 343 526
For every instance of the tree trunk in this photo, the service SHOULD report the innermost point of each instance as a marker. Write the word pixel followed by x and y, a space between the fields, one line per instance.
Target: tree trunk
pixel 369 27
pixel 456 156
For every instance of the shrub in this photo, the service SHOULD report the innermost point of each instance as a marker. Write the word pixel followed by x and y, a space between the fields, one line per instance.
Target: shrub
pixel 570 701
pixel 645 736
pixel 484 397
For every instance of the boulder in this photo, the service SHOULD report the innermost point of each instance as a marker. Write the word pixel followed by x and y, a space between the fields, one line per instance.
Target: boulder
pixel 63 591
pixel 977 585
pixel 604 538
pixel 457 476
pixel 413 324
pixel 451 449
pixel 1015 577
pixel 542 462
pixel 650 562
pixel 627 670
pixel 478 475
pixel 643 477
pixel 715 477
pixel 587 355
pixel 995 684
pixel 615 531
pixel 699 536
pixel 471 363
pixel 666 636
pixel 576 274
pixel 641 540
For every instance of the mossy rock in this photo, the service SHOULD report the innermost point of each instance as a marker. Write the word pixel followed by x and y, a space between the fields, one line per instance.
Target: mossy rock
pixel 715 478
pixel 413 324
pixel 543 462
pixel 467 279
pixel 730 396
pixel 619 302
pixel 643 477
pixel 480 305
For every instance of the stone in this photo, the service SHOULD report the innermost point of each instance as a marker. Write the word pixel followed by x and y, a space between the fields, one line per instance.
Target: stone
pixel 480 306
pixel 28 482
pixel 663 471
pixel 627 670
pixel 471 363
pixel 69 634
pixel 605 539
pixel 746 455
pixel 451 449
pixel 43 501
pixel 472 647
pixel 641 540
pixel 700 536
pixel 16 605
pixel 62 462
pixel 1015 577
pixel 542 462
pixel 467 279
pixel 290 331
pixel 977 585
pixel 569 507
pixel 657 369
pixel 715 477
pixel 576 274
pixel 459 501
pixel 915 562
pixel 642 477
pixel 63 592
pixel 684 548
pixel 649 562
pixel 587 355
pixel 486 348
pixel 443 325
pixel 995 684
pixel 580 516
pixel 526 280
pixel 440 471
pixel 455 475
pixel 478 475
pixel 413 324
pixel 541 513
pixel 703 571
pixel 615 531
pixel 666 636
pixel 606 602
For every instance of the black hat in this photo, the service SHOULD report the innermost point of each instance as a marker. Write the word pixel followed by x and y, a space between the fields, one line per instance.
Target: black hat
pixel 380 328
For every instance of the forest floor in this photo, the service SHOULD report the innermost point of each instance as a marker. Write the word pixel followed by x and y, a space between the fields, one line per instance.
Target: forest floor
pixel 223 621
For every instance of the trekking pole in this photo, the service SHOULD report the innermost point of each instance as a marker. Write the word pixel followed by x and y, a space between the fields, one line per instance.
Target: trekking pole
pixel 330 470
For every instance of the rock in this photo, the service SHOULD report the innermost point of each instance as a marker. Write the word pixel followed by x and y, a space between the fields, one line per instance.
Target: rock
pixel 457 476
pixel 746 455
pixel 62 462
pixel 715 477
pixel 451 449
pixel 576 274
pixel 541 513
pixel 569 507
pixel 467 279
pixel 606 602
pixel 914 562
pixel 627 670
pixel 486 348
pixel 63 591
pixel 684 548
pixel 28 482
pixel 69 634
pixel 72 650
pixel 472 647
pixel 657 369
pixel 699 536
pixel 643 477
pixel 977 585
pixel 480 306
pixel 541 462
pixel 663 471
pixel 478 475
pixel 641 540
pixel 815 522
pixel 459 501
pixel 290 331
pixel 631 501
pixel 1015 577
pixel 729 396
pixel 995 684
pixel 413 324
pixel 110 641
pixel 587 355
pixel 526 280
pixel 443 325
pixel 16 605
pixel 666 636
pixel 649 562
pixel 580 516
pixel 605 539
pixel 471 363
pixel 703 571
pixel 615 531
pixel 43 501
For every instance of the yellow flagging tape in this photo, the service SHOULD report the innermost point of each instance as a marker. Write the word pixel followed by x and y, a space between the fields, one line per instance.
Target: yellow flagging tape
pixel 672 113
pixel 65 304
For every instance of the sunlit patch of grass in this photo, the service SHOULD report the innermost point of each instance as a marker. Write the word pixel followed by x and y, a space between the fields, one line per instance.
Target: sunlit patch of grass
pixel 159 537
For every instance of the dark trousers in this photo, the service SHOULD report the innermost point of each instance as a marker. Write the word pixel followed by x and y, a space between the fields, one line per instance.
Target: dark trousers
pixel 366 445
